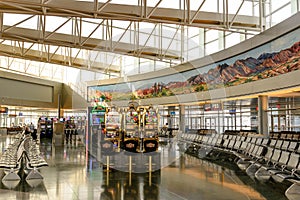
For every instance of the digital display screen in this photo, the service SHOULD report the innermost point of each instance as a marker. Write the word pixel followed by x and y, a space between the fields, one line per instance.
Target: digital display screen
pixel 97 118
pixel 113 118
pixel 132 117
pixel 43 118
pixel 151 117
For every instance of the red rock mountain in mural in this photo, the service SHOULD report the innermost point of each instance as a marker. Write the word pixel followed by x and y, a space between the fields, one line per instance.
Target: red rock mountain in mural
pixel 274 63
pixel 224 75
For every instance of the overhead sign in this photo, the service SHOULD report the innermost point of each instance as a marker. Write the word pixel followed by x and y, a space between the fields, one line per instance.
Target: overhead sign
pixel 232 111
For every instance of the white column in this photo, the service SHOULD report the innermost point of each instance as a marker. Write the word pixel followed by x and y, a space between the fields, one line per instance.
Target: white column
pixel 263 115
pixel 181 118
pixel 295 6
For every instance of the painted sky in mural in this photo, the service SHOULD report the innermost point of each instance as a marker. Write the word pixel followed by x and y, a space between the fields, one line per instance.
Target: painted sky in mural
pixel 272 59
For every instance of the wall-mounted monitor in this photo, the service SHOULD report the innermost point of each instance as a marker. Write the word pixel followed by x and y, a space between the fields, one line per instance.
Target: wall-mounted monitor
pixel 97 118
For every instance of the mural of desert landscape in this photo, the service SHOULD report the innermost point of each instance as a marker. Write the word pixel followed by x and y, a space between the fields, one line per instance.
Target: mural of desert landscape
pixel 269 60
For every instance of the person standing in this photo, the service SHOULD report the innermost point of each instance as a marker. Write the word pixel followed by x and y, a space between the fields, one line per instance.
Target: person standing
pixel 31 126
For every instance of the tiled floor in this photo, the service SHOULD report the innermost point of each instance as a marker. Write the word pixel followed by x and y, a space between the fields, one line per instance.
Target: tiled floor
pixel 73 174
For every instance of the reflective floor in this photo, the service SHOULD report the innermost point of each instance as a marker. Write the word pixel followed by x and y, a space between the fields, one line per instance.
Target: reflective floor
pixel 74 174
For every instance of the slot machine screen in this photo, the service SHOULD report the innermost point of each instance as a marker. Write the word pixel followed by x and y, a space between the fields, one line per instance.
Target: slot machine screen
pixel 132 117
pixel 151 117
pixel 113 118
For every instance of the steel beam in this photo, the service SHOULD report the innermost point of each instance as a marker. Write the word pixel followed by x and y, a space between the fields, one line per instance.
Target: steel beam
pixel 108 10
pixel 53 58
pixel 237 12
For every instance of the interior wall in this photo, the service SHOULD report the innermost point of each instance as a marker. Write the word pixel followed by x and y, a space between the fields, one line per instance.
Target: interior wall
pixel 25 91
pixel 71 99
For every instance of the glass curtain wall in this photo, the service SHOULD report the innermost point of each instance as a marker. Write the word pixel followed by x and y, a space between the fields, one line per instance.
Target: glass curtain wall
pixel 233 115
pixel 24 116
pixel 283 115
pixel 170 115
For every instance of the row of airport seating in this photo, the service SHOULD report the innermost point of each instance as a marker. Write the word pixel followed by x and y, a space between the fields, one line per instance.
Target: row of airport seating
pixel 11 130
pixel 285 135
pixel 262 158
pixel 289 135
pixel 24 154
pixel 11 160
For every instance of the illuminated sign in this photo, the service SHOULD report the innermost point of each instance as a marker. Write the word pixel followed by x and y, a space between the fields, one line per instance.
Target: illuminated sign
pixel 3 110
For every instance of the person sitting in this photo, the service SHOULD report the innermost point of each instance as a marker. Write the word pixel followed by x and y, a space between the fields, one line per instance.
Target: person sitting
pixel 27 130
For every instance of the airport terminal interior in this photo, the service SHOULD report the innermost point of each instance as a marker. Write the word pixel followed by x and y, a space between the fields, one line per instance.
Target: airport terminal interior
pixel 154 100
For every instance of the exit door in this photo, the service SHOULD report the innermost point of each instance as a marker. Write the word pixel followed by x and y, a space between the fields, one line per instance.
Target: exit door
pixel 211 123
pixel 229 123
pixel 195 123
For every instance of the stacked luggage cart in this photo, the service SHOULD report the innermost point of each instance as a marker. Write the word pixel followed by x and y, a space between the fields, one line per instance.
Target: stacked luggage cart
pixel 23 155
pixel 274 158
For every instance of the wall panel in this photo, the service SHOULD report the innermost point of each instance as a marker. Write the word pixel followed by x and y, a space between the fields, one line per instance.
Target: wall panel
pixel 22 90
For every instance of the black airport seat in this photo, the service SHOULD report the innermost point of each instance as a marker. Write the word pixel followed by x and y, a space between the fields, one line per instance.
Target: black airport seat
pixel 285 145
pixel 33 159
pixel 11 158
pixel 291 171
pixel 265 172
pixel 279 143
pixel 273 142
pixel 296 136
pixel 282 163
pixel 293 146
